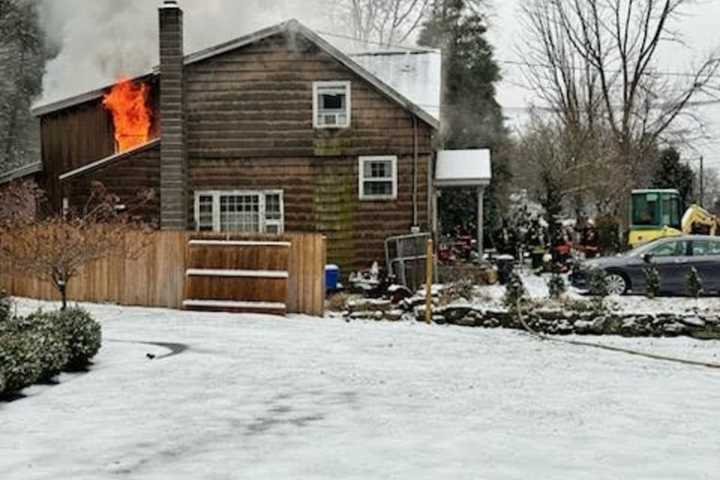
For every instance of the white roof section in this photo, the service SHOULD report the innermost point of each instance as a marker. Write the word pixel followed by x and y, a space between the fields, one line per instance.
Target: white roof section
pixel 416 74
pixel 290 27
pixel 463 168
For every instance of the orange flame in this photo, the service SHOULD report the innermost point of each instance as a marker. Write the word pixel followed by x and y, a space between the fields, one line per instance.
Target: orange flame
pixel 127 101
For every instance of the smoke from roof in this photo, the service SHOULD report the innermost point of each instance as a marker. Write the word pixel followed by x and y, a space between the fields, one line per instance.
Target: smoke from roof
pixel 100 40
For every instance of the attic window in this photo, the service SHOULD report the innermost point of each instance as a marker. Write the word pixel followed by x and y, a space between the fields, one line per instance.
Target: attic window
pixel 331 104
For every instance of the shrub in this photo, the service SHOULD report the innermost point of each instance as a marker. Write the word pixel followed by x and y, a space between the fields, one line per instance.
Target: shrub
pixel 20 366
pixel 694 283
pixel 5 307
pixel 557 286
pixel 49 342
pixel 515 292
pixel 599 287
pixel 652 281
pixel 82 335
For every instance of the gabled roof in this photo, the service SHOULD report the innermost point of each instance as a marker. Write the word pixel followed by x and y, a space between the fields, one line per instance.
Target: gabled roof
pixel 291 27
pixel 24 171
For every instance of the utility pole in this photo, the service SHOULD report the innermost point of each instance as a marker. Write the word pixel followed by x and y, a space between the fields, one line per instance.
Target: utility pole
pixel 702 181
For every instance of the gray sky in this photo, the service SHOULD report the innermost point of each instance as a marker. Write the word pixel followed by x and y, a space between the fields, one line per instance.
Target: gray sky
pixel 102 39
pixel 699 28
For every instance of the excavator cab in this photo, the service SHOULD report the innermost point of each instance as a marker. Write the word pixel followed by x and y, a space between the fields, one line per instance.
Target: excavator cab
pixel 654 214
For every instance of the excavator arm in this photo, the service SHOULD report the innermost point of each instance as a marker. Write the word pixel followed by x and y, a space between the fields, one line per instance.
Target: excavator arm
pixel 697 220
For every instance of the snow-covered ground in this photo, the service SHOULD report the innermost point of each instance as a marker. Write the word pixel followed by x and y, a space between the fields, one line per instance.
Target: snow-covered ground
pixel 269 398
pixel 491 296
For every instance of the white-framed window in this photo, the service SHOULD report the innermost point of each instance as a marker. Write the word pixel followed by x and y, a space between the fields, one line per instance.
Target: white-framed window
pixel 332 104
pixel 377 177
pixel 240 211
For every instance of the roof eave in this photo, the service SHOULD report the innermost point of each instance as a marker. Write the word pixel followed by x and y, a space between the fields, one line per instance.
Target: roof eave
pixel 103 162
pixel 291 26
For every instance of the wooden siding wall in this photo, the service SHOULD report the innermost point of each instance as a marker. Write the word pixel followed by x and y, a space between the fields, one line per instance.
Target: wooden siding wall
pixel 126 178
pixel 158 278
pixel 77 136
pixel 250 126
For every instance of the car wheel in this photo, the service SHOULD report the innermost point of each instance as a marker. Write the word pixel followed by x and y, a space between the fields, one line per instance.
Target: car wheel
pixel 617 285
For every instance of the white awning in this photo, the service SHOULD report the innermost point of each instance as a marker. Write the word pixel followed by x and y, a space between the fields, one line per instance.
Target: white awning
pixel 463 168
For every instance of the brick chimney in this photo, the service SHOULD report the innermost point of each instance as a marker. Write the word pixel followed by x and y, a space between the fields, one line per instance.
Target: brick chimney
pixel 173 163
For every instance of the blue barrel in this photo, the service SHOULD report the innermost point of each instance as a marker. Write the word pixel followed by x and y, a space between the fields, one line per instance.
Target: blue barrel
pixel 332 277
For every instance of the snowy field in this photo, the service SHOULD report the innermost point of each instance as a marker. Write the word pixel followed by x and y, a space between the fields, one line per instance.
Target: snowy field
pixel 256 397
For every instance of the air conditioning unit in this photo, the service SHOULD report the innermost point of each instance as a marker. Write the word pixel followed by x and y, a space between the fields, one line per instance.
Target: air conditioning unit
pixel 331 119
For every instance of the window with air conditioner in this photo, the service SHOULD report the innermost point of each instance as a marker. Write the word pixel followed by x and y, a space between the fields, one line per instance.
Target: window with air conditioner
pixel 331 104
pixel 240 211
pixel 378 178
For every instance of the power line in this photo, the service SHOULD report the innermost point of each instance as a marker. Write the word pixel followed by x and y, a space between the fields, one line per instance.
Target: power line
pixel 516 63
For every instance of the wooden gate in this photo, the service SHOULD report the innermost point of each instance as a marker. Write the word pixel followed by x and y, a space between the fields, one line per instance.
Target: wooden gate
pixel 237 276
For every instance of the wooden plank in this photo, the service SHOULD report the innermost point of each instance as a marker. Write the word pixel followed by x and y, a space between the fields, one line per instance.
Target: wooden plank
pixel 199 272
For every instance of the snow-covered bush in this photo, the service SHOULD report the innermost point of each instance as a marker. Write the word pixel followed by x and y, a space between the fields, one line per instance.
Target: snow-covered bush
pixel 599 287
pixel 557 286
pixel 5 307
pixel 20 366
pixel 652 281
pixel 82 334
pixel 48 341
pixel 694 283
pixel 515 292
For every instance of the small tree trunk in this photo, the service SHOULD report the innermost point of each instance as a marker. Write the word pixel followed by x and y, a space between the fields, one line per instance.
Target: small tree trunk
pixel 62 288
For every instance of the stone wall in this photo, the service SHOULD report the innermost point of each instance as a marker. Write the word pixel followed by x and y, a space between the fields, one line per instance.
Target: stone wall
pixel 547 321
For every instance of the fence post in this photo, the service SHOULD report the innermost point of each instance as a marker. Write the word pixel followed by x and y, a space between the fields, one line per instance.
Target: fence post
pixel 428 281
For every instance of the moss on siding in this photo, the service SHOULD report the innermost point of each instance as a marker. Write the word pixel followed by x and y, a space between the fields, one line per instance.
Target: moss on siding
pixel 334 211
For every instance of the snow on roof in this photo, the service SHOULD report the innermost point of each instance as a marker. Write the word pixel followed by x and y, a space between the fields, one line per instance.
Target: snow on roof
pixel 463 168
pixel 416 74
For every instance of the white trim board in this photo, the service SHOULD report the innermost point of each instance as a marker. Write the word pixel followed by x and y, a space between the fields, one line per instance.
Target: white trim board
pixel 201 272
pixel 236 243
pixel 233 304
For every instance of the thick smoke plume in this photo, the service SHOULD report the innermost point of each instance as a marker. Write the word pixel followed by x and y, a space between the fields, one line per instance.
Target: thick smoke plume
pixel 99 41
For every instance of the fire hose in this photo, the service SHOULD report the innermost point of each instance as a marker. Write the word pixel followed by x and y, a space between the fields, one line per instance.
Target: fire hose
pixel 628 351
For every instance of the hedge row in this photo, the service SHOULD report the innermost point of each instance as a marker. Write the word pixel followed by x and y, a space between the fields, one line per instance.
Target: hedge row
pixel 38 347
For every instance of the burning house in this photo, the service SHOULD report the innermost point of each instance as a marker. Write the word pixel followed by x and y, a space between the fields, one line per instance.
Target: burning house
pixel 275 131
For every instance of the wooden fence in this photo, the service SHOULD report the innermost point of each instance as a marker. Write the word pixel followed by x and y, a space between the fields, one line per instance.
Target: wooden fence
pixel 157 278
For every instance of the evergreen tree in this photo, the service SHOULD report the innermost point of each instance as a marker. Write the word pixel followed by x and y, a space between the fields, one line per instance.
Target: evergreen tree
pixel 515 292
pixel 22 61
pixel 671 173
pixel 557 285
pixel 472 117
pixel 652 281
pixel 694 283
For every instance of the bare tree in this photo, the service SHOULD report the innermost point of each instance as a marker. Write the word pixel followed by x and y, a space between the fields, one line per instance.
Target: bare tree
pixel 386 22
pixel 594 64
pixel 56 248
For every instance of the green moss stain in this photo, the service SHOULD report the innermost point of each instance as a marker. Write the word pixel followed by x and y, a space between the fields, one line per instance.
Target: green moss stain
pixel 334 208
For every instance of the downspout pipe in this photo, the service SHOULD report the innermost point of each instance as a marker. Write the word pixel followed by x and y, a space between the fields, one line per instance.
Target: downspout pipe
pixel 415 172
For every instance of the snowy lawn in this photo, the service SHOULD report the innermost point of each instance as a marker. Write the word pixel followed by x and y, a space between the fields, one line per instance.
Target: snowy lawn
pixel 265 398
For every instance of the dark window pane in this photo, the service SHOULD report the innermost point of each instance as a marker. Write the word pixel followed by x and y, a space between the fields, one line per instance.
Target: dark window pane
pixel 646 209
pixel 330 101
pixel 378 188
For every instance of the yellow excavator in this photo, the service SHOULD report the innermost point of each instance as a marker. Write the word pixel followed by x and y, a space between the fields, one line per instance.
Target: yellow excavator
pixel 656 214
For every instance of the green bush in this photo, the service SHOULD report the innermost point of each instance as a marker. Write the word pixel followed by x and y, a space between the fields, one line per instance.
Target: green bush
pixel 82 334
pixel 557 286
pixel 5 307
pixel 49 342
pixel 652 281
pixel 20 366
pixel 694 283
pixel 515 293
